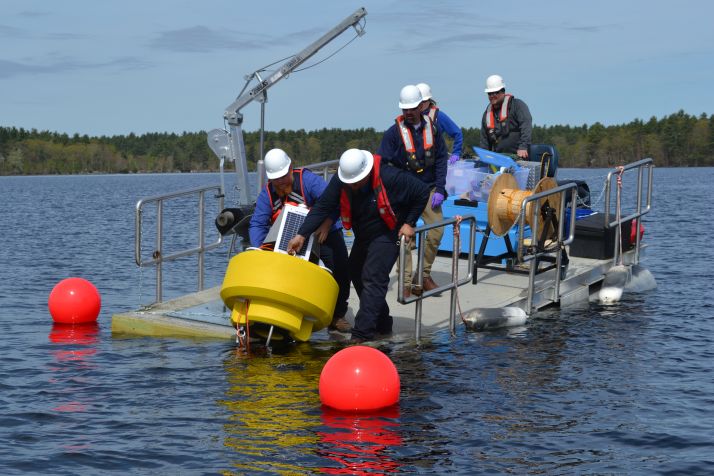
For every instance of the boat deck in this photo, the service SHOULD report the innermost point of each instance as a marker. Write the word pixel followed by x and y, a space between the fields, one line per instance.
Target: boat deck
pixel 202 314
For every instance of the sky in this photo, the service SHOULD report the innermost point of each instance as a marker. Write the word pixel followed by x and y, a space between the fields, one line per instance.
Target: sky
pixel 117 67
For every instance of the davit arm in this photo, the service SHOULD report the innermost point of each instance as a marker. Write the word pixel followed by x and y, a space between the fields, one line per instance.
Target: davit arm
pixel 230 144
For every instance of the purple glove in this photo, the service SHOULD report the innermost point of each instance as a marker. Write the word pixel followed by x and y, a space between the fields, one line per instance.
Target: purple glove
pixel 437 200
pixel 453 159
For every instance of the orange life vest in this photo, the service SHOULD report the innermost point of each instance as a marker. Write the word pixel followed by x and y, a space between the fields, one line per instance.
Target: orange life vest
pixel 502 116
pixel 405 133
pixel 385 209
pixel 295 197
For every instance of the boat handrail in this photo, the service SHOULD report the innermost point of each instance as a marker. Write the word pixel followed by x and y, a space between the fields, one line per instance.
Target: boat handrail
pixel 326 169
pixel 323 168
pixel 640 167
pixel 536 253
pixel 420 237
pixel 157 256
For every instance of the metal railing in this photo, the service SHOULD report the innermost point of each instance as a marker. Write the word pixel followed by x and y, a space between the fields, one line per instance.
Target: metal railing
pixel 420 237
pixel 157 256
pixel 524 253
pixel 640 167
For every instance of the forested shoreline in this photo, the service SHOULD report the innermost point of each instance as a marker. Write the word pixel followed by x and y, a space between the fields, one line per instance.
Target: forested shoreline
pixel 678 140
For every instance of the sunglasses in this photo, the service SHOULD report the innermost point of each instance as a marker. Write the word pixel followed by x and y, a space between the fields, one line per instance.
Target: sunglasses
pixel 496 93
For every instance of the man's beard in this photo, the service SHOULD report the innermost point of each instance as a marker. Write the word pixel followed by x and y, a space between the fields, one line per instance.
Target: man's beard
pixel 283 190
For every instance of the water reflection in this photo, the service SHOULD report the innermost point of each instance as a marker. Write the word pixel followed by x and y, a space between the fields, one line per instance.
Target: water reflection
pixel 278 425
pixel 271 399
pixel 360 443
pixel 76 347
pixel 79 344
pixel 81 340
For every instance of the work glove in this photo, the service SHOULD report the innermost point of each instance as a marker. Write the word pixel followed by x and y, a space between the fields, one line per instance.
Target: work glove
pixel 437 200
pixel 453 159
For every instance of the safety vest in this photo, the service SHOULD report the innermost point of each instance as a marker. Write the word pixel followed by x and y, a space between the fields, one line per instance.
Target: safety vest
pixel 385 209
pixel 295 197
pixel 417 165
pixel 502 116
pixel 433 113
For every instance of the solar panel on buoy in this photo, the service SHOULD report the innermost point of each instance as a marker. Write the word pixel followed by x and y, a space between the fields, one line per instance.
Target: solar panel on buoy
pixel 292 219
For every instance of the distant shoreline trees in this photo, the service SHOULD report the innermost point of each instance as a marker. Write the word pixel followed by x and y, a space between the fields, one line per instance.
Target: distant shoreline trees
pixel 678 140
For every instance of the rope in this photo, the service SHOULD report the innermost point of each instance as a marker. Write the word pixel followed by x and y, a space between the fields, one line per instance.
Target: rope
pixel 620 171
pixel 457 249
pixel 243 332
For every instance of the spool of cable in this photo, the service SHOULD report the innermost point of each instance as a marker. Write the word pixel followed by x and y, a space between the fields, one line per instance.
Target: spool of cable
pixel 506 199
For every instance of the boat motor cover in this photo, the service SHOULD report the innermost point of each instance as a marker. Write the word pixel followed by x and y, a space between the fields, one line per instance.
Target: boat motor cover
pixel 227 220
pixel 583 191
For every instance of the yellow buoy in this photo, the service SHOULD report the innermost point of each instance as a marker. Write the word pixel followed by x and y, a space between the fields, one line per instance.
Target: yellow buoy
pixel 279 290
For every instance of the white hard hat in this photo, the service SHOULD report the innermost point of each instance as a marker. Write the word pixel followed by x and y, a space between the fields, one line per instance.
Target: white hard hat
pixel 425 91
pixel 494 83
pixel 409 97
pixel 277 163
pixel 355 165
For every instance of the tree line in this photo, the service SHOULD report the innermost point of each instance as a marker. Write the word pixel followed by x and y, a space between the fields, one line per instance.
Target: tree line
pixel 677 140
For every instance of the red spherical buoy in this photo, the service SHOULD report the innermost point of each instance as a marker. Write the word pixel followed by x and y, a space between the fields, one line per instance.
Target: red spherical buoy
pixel 359 378
pixel 74 301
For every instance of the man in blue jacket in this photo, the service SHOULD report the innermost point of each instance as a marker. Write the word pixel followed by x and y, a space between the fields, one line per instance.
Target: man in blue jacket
pixel 443 122
pixel 382 204
pixel 416 145
pixel 300 186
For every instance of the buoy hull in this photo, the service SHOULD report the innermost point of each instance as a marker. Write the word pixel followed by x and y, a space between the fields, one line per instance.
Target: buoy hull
pixel 279 290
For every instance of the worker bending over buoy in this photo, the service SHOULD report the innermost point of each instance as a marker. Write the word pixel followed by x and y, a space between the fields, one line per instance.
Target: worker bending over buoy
pixel 382 204
pixel 300 186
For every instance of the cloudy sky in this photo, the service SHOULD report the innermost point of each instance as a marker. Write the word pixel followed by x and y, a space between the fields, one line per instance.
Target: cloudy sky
pixel 110 67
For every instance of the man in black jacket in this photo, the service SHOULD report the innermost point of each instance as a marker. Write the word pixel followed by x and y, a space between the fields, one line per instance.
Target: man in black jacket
pixel 382 204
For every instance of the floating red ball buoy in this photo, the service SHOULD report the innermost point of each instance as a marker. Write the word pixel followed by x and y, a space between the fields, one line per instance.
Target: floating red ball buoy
pixel 359 378
pixel 74 301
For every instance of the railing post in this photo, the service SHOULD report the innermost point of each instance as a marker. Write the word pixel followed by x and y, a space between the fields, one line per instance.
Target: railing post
pixel 157 252
pixel 201 240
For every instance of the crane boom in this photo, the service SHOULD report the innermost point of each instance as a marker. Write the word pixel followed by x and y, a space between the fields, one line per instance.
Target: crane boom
pixel 295 61
pixel 230 144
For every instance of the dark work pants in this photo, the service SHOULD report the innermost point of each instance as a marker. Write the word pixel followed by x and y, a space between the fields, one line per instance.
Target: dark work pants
pixel 333 254
pixel 371 261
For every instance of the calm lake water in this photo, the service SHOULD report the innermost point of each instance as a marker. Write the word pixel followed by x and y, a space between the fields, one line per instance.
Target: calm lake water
pixel 624 389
